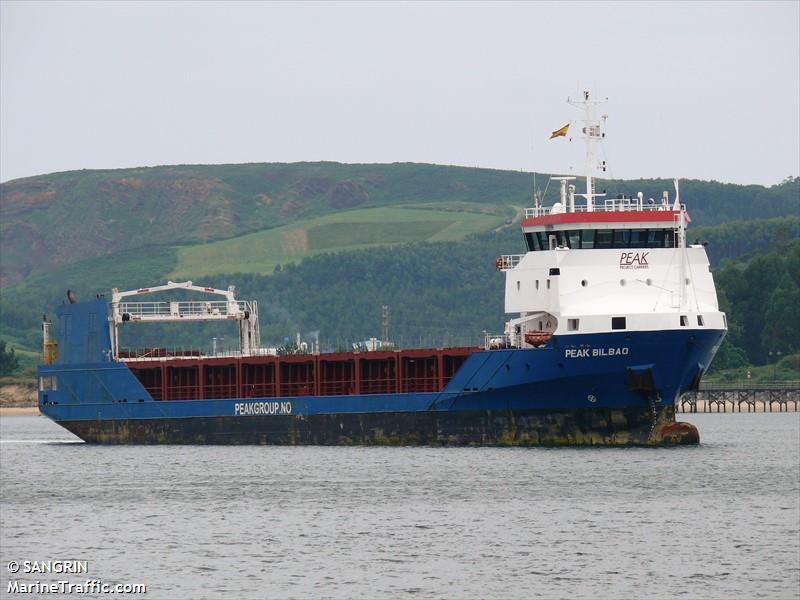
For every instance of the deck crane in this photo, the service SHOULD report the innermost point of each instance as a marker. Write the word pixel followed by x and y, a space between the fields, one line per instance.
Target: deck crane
pixel 245 312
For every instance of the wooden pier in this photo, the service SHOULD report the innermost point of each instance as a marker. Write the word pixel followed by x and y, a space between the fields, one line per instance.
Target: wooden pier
pixel 775 396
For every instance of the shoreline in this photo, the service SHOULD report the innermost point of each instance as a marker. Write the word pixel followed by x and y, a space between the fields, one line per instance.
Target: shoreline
pixel 19 411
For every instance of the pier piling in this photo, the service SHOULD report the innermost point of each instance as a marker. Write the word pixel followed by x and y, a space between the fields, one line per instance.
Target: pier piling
pixel 776 396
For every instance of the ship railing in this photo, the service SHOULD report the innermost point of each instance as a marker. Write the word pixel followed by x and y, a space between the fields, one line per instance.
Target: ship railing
pixel 219 391
pixel 495 341
pixel 191 309
pixel 538 211
pixel 749 385
pixel 507 261
pixel 610 205
pixel 259 390
pixel 145 354
pixel 156 353
pixel 337 387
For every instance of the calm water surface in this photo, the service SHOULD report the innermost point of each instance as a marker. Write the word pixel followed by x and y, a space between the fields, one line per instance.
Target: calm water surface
pixel 717 521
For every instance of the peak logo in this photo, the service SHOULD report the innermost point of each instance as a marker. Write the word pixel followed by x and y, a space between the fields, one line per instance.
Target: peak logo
pixel 633 260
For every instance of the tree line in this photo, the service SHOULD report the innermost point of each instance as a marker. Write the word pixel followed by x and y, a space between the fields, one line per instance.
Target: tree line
pixel 448 293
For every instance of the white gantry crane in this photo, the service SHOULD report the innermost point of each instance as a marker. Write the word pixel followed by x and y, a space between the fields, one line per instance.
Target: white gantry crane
pixel 244 312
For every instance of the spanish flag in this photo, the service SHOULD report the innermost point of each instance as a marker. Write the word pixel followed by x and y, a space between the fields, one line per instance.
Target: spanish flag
pixel 560 132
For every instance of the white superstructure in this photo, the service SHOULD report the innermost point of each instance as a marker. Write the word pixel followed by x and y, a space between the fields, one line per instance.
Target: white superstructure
pixel 597 265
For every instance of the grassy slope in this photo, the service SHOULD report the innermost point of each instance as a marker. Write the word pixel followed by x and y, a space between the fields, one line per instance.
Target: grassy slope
pixel 62 218
pixel 75 220
pixel 25 302
pixel 349 230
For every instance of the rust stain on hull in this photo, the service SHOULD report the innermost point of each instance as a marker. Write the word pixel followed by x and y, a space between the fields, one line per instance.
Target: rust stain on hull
pixel 432 428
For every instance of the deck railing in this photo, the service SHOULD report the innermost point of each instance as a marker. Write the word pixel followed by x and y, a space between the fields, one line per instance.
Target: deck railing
pixel 749 385
pixel 185 309
pixel 508 261
pixel 610 205
pixel 148 354
pixel 497 341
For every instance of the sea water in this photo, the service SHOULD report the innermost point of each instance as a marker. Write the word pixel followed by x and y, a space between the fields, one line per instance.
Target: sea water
pixel 720 520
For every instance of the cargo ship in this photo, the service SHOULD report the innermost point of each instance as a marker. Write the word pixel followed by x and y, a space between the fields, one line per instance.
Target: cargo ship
pixel 612 316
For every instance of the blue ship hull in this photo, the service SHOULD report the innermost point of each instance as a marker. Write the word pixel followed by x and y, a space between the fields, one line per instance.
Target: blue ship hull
pixel 612 388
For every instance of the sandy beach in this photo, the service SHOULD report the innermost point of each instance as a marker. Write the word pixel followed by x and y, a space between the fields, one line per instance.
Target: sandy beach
pixel 19 411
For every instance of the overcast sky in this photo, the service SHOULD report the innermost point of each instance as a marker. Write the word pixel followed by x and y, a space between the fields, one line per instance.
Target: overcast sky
pixel 696 90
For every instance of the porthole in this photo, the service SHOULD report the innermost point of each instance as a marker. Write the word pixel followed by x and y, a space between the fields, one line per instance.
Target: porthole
pixel 584 283
pixel 648 281
pixel 622 282
pixel 518 286
pixel 687 281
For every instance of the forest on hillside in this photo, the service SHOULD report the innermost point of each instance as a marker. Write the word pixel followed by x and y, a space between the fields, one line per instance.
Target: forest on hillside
pixel 448 293
pixel 60 219
pixel 439 293
pixel 456 292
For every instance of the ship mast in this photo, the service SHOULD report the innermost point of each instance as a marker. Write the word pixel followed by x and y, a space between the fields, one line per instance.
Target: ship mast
pixel 592 132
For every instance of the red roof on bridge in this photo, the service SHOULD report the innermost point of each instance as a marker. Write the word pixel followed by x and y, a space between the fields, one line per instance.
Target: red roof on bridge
pixel 637 216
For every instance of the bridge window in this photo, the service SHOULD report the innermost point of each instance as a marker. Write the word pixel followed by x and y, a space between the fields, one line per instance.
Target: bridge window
pixel 604 238
pixel 574 238
pixel 543 243
pixel 618 323
pixel 700 320
pixel 655 238
pixel 684 321
pixel 586 239
pixel 572 324
pixel 638 238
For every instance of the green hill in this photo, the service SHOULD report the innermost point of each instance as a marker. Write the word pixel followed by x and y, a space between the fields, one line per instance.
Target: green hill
pixel 261 252
pixel 321 245
pixel 63 218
